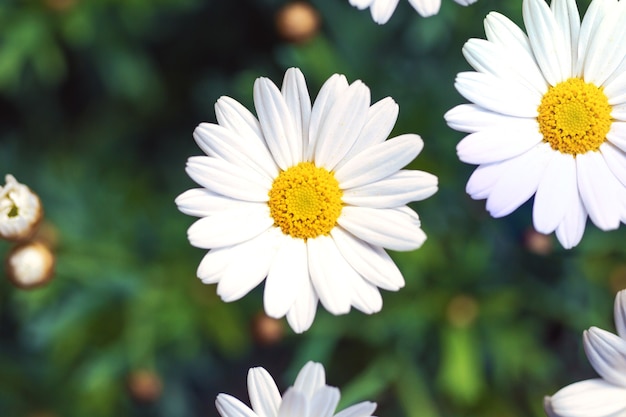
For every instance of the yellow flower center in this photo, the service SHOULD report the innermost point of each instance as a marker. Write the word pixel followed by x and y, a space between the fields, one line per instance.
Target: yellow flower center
pixel 305 201
pixel 574 117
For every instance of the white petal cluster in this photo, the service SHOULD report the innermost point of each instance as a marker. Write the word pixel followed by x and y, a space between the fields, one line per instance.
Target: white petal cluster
pixel 382 10
pixel 309 397
pixel 20 210
pixel 600 397
pixel 341 132
pixel 513 72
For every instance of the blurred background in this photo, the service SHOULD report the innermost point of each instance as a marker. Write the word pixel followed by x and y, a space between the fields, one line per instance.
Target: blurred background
pixel 98 101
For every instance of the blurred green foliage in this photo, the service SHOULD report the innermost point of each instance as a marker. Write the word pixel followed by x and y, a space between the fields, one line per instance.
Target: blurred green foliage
pixel 98 99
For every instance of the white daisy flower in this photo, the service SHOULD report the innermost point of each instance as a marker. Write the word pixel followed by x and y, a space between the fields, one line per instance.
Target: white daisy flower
pixel 549 116
pixel 20 210
pixel 309 397
pixel 383 9
pixel 600 397
pixel 307 196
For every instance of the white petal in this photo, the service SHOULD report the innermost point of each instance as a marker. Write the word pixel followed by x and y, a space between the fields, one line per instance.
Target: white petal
pixel 615 158
pixel 328 269
pixel 618 112
pixel 364 409
pixel 396 190
pixel 310 378
pixel 361 4
pixel 299 103
pixel 342 125
pixel 590 398
pixel 620 313
pixel 264 395
pixel 277 124
pixel 504 32
pixel 213 265
pixel 382 10
pixel 557 189
pixel 200 202
pixel 571 229
pixel 294 404
pixel 302 313
pixel 598 187
pixel 230 180
pixel 396 229
pixel 551 50
pixel 236 118
pixel 589 27
pixel 379 161
pixel 568 20
pixel 381 117
pixel 547 406
pixel 607 354
pixel 324 402
pixel 497 95
pixel 372 262
pixel 471 118
pixel 617 135
pixel 519 182
pixel 216 140
pixel 498 143
pixel 332 89
pixel 606 48
pixel 426 8
pixel 615 89
pixel 484 178
pixel 465 2
pixel 229 406
pixel 239 278
pixel 365 296
pixel 230 227
pixel 500 61
pixel 286 278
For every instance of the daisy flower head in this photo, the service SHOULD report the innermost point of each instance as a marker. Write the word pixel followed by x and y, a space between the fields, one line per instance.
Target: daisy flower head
pixel 598 397
pixel 382 10
pixel 548 116
pixel 308 397
pixel 307 196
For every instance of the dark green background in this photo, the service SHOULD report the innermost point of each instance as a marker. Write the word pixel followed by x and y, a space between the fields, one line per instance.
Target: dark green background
pixel 98 100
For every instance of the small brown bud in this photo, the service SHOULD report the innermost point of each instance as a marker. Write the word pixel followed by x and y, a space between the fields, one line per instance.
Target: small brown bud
pixel 145 385
pixel 537 243
pixel 266 330
pixel 462 310
pixel 297 22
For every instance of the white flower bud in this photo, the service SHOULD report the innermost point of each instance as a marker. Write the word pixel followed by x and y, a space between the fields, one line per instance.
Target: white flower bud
pixel 20 210
pixel 30 265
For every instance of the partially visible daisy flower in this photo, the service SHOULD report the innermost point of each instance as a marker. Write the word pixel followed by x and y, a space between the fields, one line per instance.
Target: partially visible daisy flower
pixel 599 397
pixel 548 116
pixel 307 196
pixel 20 210
pixel 309 397
pixel 383 9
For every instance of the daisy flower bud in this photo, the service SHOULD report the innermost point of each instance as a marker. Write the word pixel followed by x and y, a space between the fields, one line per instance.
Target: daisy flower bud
pixel 30 265
pixel 20 210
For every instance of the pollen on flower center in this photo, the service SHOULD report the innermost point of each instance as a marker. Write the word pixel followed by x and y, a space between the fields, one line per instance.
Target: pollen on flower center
pixel 305 201
pixel 574 117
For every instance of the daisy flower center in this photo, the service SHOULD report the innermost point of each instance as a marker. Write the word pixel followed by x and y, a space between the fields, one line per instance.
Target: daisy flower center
pixel 574 117
pixel 305 201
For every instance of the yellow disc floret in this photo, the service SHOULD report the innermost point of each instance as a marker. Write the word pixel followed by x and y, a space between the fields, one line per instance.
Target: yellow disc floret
pixel 305 201
pixel 574 117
